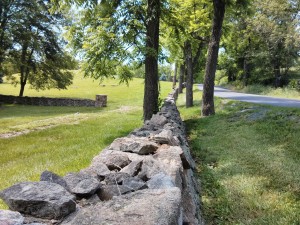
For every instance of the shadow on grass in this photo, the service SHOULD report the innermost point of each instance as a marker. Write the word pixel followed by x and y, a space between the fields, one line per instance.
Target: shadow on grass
pixel 247 169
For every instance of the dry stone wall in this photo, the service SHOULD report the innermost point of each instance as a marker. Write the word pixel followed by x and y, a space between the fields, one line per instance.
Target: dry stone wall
pixel 145 178
pixel 101 101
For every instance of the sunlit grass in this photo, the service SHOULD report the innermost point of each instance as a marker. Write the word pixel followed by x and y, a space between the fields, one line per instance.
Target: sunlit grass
pixel 249 168
pixel 65 139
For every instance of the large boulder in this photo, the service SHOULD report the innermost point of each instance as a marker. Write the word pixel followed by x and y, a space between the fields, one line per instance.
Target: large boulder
pixel 40 199
pixel 141 146
pixel 147 207
pixel 8 217
pixel 82 184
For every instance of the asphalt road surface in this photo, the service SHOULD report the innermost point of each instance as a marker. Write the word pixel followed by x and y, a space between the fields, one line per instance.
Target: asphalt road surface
pixel 259 99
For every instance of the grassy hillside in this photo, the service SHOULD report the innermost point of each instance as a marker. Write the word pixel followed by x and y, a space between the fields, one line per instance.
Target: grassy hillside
pixel 65 139
pixel 248 159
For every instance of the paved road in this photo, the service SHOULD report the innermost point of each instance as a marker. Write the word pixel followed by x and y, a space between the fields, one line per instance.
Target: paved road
pixel 259 99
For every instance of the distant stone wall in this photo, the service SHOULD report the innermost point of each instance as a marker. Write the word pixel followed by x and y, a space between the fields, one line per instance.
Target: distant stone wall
pixel 144 178
pixel 101 101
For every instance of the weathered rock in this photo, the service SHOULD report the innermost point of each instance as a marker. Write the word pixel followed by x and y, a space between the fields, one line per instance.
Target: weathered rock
pixel 114 160
pixel 29 220
pixel 133 168
pixel 150 167
pixel 134 183
pixel 8 217
pixel 116 178
pixel 107 192
pixel 170 159
pixel 160 181
pixel 40 199
pixel 147 207
pixel 54 178
pixel 164 137
pixel 97 169
pixel 82 184
pixel 93 200
pixel 190 200
pixel 187 159
pixel 158 120
pixel 137 145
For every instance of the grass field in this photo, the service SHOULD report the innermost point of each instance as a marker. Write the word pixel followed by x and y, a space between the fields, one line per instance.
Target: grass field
pixel 248 161
pixel 65 139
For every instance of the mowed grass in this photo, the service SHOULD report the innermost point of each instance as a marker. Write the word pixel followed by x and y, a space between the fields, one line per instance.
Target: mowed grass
pixel 248 161
pixel 65 139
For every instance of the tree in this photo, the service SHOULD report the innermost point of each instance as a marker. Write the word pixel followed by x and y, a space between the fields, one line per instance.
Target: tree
pixel 119 33
pixel 31 44
pixel 212 58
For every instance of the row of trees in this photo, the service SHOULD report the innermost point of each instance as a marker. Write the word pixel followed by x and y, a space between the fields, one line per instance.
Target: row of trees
pixel 259 41
pixel 30 45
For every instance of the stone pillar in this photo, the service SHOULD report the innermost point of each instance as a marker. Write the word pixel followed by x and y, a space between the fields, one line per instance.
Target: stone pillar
pixel 101 101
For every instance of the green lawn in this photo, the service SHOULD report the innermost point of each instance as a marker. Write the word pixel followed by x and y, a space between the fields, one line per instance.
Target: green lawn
pixel 65 139
pixel 248 161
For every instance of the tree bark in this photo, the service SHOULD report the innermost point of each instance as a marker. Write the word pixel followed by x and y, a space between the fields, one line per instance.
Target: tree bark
pixel 151 92
pixel 175 76
pixel 181 77
pixel 246 71
pixel 212 59
pixel 189 74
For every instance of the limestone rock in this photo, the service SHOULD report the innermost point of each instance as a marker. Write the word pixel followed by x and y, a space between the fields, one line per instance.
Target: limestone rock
pixel 164 137
pixel 134 183
pixel 160 181
pixel 54 178
pixel 147 207
pixel 82 184
pixel 40 199
pixel 97 169
pixel 171 161
pixel 116 178
pixel 8 217
pixel 114 160
pixel 140 146
pixel 133 168
pixel 107 192
pixel 158 120
pixel 150 167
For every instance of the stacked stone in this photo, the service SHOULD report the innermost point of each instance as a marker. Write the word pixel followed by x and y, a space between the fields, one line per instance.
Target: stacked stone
pixel 144 178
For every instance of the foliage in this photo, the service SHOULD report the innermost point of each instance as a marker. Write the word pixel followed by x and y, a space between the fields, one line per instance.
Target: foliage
pixel 34 48
pixel 262 42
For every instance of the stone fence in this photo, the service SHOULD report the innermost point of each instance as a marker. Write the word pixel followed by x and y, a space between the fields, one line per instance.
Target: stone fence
pixel 101 101
pixel 145 178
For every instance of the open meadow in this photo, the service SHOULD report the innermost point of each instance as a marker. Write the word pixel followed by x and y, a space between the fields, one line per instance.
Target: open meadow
pixel 65 139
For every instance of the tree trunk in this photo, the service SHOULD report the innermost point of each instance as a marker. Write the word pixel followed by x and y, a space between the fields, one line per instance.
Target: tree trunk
pixel 246 72
pixel 181 77
pixel 277 74
pixel 175 76
pixel 189 74
pixel 151 64
pixel 212 59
